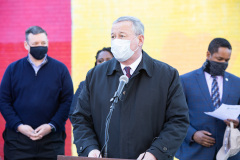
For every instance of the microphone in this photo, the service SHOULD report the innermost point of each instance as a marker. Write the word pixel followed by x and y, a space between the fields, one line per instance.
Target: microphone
pixel 123 80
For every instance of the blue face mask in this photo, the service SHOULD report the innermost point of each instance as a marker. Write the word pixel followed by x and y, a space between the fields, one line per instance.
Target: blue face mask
pixel 38 52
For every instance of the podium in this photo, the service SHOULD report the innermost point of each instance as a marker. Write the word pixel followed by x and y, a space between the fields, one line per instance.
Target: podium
pixel 61 157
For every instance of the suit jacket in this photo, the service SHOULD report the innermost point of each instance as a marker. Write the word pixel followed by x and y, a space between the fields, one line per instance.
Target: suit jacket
pixel 151 112
pixel 199 101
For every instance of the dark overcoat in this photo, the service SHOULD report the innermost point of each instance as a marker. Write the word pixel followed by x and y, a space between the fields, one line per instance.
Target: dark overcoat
pixel 151 115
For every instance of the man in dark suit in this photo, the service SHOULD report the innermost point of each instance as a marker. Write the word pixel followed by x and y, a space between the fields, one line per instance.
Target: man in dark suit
pixel 150 120
pixel 205 90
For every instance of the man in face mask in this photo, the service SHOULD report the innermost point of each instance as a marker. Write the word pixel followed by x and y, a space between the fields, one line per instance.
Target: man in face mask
pixel 205 90
pixel 151 111
pixel 37 47
pixel 35 97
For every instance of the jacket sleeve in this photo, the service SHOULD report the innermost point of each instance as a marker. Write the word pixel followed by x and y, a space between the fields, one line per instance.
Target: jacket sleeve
pixel 65 99
pixel 190 133
pixel 6 101
pixel 85 138
pixel 176 124
pixel 191 130
pixel 75 98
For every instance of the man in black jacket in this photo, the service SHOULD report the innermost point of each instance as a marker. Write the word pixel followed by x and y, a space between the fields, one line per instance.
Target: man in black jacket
pixel 150 120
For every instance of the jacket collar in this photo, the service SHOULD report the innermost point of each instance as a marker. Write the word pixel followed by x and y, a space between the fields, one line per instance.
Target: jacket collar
pixel 146 65
pixel 202 83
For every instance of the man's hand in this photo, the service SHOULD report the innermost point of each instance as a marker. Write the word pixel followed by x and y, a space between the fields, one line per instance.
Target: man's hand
pixel 27 131
pixel 94 153
pixel 147 156
pixel 235 122
pixel 203 138
pixel 42 131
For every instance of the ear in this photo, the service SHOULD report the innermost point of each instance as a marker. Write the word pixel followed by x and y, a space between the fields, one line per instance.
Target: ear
pixel 141 40
pixel 208 55
pixel 26 46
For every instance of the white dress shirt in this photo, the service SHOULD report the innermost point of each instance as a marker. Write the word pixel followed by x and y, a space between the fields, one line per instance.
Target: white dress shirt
pixel 133 66
pixel 219 79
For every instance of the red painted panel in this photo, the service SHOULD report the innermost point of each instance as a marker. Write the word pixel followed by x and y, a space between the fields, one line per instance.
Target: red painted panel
pixel 52 15
pixel 16 16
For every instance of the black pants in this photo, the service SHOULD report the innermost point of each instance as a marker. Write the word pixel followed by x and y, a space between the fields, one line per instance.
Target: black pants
pixel 20 147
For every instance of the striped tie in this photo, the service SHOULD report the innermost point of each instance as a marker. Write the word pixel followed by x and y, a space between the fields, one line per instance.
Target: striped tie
pixel 215 93
pixel 127 69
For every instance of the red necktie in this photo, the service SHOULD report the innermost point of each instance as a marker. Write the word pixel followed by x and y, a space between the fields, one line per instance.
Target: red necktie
pixel 127 69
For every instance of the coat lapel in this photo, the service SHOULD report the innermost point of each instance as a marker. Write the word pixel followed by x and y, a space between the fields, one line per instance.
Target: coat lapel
pixel 203 86
pixel 226 87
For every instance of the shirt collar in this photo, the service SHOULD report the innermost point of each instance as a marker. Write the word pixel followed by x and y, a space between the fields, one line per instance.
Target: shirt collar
pixel 146 64
pixel 43 62
pixel 208 76
pixel 134 65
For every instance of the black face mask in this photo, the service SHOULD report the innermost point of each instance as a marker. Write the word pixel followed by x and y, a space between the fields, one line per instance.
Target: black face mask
pixel 215 68
pixel 38 52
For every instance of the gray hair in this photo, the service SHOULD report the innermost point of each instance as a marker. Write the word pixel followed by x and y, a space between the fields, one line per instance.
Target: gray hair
pixel 34 30
pixel 138 27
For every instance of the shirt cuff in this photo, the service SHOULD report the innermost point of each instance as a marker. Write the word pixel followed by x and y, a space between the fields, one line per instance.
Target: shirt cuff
pixel 53 127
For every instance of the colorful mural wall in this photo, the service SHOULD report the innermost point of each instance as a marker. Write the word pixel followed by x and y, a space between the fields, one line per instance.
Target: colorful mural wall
pixel 176 32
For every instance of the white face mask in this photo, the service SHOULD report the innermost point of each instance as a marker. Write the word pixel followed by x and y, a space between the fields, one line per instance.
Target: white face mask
pixel 121 49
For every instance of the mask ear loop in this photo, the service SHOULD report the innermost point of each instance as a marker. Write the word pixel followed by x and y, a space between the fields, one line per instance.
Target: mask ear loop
pixel 29 47
pixel 137 47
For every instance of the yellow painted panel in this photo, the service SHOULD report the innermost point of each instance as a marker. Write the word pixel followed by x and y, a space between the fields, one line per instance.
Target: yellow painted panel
pixel 176 32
